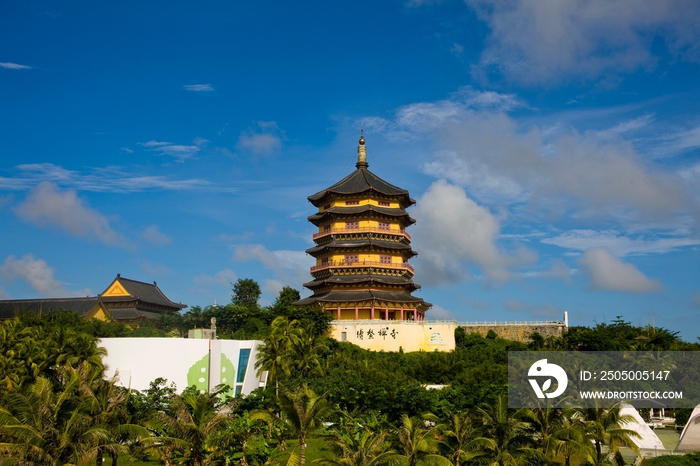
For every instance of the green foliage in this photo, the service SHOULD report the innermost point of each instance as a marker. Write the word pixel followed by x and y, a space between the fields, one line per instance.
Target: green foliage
pixel 691 459
pixel 246 293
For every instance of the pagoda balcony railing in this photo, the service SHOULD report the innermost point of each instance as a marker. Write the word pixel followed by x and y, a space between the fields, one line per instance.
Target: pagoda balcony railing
pixel 360 230
pixel 343 263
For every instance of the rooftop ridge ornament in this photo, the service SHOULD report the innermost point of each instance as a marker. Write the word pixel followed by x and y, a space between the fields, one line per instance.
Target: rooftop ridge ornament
pixel 362 152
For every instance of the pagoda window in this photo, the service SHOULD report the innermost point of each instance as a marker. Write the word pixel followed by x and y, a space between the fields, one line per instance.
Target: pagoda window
pixel 326 207
pixel 324 261
pixel 384 203
pixel 352 202
pixel 351 258
pixel 326 228
pixel 385 259
pixel 383 225
pixel 352 225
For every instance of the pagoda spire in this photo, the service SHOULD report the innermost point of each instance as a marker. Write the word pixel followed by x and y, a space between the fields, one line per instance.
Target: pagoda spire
pixel 362 152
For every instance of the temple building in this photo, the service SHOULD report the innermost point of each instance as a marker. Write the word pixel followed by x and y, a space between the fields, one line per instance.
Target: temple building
pixel 124 300
pixel 362 250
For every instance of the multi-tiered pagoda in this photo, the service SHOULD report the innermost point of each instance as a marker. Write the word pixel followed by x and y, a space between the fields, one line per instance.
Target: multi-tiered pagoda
pixel 362 249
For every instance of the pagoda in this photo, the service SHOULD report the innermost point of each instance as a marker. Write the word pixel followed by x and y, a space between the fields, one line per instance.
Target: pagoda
pixel 362 249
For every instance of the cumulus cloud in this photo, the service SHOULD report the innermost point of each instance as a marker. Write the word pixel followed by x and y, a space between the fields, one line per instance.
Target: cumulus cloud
pixel 153 235
pixel 290 267
pixel 440 313
pixel 37 273
pixel 198 87
pixel 572 171
pixel 553 40
pixel 454 233
pixel 224 278
pixel 14 66
pixel 558 270
pixel 46 205
pixel 607 272
pixel 265 139
pixel 618 244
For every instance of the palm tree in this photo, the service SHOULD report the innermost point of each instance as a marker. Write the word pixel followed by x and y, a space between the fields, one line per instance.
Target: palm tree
pixel 305 350
pixel 40 425
pixel 272 356
pixel 188 430
pixel 607 427
pixel 462 439
pixel 571 439
pixel 417 443
pixel 106 405
pixel 513 444
pixel 303 410
pixel 363 448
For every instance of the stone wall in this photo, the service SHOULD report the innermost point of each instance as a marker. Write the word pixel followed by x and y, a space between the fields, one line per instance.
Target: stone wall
pixel 517 332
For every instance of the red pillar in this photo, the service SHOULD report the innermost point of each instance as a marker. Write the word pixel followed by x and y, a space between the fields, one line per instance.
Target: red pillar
pixel 401 313
pixel 386 313
pixel 357 313
pixel 371 312
pixel 415 314
pixel 338 312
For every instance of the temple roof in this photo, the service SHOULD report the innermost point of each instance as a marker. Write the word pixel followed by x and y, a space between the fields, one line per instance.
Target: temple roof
pixel 362 243
pixel 365 295
pixel 123 289
pixel 10 308
pixel 364 278
pixel 361 181
pixel 318 217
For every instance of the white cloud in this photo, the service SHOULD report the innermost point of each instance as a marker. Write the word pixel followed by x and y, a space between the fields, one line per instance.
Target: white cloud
pixel 548 311
pixel 558 270
pixel 178 151
pixel 14 66
pixel 272 287
pixel 606 272
pixel 198 87
pixel 453 232
pixel 695 299
pixel 266 139
pixel 47 205
pixel 290 267
pixel 551 40
pixel 439 313
pixel 4 294
pixel 153 235
pixel 618 244
pixel 37 273
pixel 570 171
pixel 224 278
pixel 108 179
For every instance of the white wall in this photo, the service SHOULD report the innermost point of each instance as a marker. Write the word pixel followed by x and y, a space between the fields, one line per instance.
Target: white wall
pixel 184 361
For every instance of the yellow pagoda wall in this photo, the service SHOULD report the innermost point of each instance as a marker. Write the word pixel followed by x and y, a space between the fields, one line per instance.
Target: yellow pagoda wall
pixel 375 202
pixel 363 257
pixel 383 335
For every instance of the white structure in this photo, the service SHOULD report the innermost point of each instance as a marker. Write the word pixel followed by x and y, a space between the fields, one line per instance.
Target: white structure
pixel 185 362
pixel 690 437
pixel 648 442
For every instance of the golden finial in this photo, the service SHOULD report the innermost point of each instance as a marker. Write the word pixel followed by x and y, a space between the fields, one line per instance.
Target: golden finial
pixel 362 151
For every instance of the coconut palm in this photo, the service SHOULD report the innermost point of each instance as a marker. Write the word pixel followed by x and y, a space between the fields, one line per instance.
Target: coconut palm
pixel 362 448
pixel 305 350
pixel 41 425
pixel 303 410
pixel 571 440
pixel 513 444
pixel 607 427
pixel 417 443
pixel 462 440
pixel 189 430
pixel 272 356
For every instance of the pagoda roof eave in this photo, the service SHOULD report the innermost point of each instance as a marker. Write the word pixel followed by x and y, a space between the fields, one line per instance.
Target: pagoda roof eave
pixel 361 181
pixel 354 210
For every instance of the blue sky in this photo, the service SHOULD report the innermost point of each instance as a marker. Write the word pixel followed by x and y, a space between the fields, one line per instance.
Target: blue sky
pixel 553 148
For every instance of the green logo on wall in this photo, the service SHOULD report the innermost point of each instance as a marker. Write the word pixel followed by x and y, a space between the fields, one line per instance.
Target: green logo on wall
pixel 198 375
